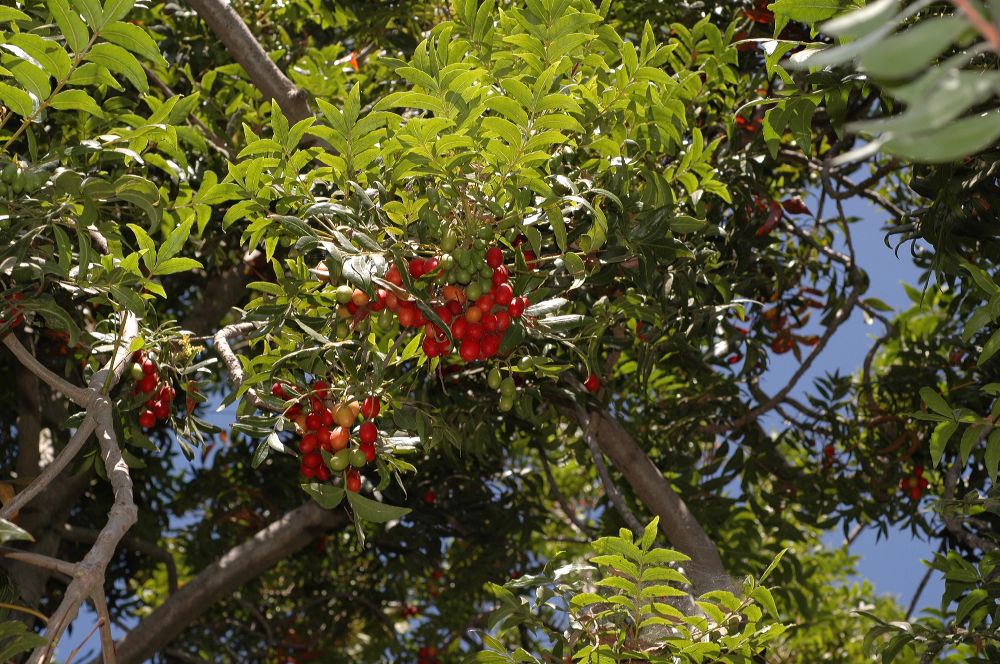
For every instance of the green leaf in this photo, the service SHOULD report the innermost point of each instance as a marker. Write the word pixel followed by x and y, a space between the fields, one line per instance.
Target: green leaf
pixel 685 224
pixel 146 244
pixel 116 9
pixel 70 24
pixel 942 433
pixel 91 12
pixel 862 21
pixel 132 38
pixel 969 602
pixel 175 265
pixel 910 51
pixel 374 511
pixel 10 532
pixel 762 596
pixel 76 100
pixel 954 141
pixel 120 61
pixel 49 55
pixel 806 11
pixel 8 14
pixel 326 496
pixel 772 566
pixel 175 241
pixel 992 457
pixel 990 348
pixel 935 402
pixel 16 100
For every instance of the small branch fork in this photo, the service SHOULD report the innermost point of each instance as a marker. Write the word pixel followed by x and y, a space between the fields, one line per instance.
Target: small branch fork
pixel 87 576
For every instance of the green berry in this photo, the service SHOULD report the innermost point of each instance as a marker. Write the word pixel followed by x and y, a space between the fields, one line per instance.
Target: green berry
pixel 340 460
pixel 494 378
pixel 358 458
pixel 507 387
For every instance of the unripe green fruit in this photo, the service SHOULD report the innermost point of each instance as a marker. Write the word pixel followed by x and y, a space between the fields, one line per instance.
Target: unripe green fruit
pixel 449 240
pixel 485 272
pixel 463 257
pixel 385 319
pixel 343 331
pixel 474 290
pixel 447 261
pixel 525 363
pixel 485 284
pixel 8 173
pixel 358 459
pixel 506 403
pixel 485 233
pixel 136 371
pixel 507 387
pixel 463 276
pixel 344 293
pixel 494 378
pixel 480 245
pixel 340 460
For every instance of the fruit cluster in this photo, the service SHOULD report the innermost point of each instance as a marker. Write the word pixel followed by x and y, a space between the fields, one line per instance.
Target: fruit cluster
pixel 507 387
pixel 15 316
pixel 914 484
pixel 16 180
pixel 145 373
pixel 469 292
pixel 426 655
pixel 327 427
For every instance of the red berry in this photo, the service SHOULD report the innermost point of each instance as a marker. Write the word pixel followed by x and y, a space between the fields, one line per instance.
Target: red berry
pixel 161 410
pixel 323 473
pixel 278 391
pixel 474 332
pixel 516 307
pixel 353 481
pixel 325 417
pixel 485 303
pixel 444 314
pixel 459 328
pixel 314 421
pixel 323 439
pixel 494 257
pixel 490 345
pixel 430 497
pixel 918 471
pixel 489 323
pixel 407 315
pixel 429 346
pixel 500 275
pixel 503 321
pixel 393 276
pixel 503 294
pixel 293 411
pixel 381 295
pixel 369 450
pixel 312 460
pixel 368 432
pixel 306 471
pixel 370 407
pixel 417 268
pixel 593 383
pixel 309 443
pixel 147 419
pixel 455 307
pixel 147 384
pixel 829 451
pixel 469 349
pixel 320 387
pixel 149 367
pixel 167 394
pixel 444 347
pixel 431 266
pixel 529 259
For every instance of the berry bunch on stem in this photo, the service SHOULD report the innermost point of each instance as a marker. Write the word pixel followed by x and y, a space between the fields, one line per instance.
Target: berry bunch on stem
pixel 145 373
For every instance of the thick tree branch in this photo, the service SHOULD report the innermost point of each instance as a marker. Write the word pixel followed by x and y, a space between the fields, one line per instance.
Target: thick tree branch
pixel 676 521
pixel 227 25
pixel 89 536
pixel 588 425
pixel 81 396
pixel 240 565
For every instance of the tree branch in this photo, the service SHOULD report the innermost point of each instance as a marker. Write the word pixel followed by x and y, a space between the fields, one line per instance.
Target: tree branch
pixel 280 540
pixel 81 396
pixel 587 425
pixel 227 25
pixel 89 535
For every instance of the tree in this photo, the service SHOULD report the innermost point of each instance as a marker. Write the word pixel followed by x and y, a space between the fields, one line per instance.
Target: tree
pixel 488 290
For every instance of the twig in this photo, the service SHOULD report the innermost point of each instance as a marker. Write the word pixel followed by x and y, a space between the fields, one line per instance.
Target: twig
pixel 560 498
pixel 81 396
pixel 232 362
pixel 76 650
pixel 985 28
pixel 25 609
pixel 90 535
pixel 587 424
pixel 39 560
pixel 954 523
pixel 919 591
pixel 213 139
pixel 227 25
pixel 104 624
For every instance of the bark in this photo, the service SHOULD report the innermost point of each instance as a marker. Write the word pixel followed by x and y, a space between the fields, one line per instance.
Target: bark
pixel 677 523
pixel 240 565
pixel 227 25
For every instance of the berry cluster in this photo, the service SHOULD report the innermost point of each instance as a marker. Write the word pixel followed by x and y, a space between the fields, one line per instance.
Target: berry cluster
pixel 15 316
pixel 327 428
pixel 507 388
pixel 145 373
pixel 914 484
pixel 16 179
pixel 470 293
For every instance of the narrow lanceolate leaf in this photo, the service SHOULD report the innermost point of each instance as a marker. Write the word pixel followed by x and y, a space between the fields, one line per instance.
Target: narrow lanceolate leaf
pixel 76 100
pixel 132 38
pixel 70 24
pixel 942 433
pixel 120 61
pixel 16 100
pixel 910 51
pixel 935 401
pixel 374 511
pixel 10 532
pixel 959 139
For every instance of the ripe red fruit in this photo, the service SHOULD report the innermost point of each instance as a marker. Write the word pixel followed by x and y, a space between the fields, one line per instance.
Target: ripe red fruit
pixel 312 460
pixel 147 419
pixel 494 257
pixel 378 304
pixel 417 268
pixel 167 394
pixel 489 323
pixel 455 307
pixel 369 451
pixel 475 332
pixel 473 314
pixel 593 383
pixel 293 412
pixel 469 350
pixel 431 266
pixel 430 497
pixel 407 315
pixel 516 307
pixel 393 276
pixel 459 328
pixel 149 367
pixel 503 321
pixel 370 407
pixel 530 259
pixel 444 314
pixel 503 295
pixel 444 347
pixel 485 303
pixel 161 410
pixel 323 473
pixel 147 384
pixel 323 439
pixel 490 345
pixel 320 387
pixel 353 481
pixel 352 308
pixel 429 346
pixel 325 417
pixel 314 421
pixel 309 443
pixel 368 432
pixel 829 451
pixel 500 275
pixel 278 391
pixel 306 471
